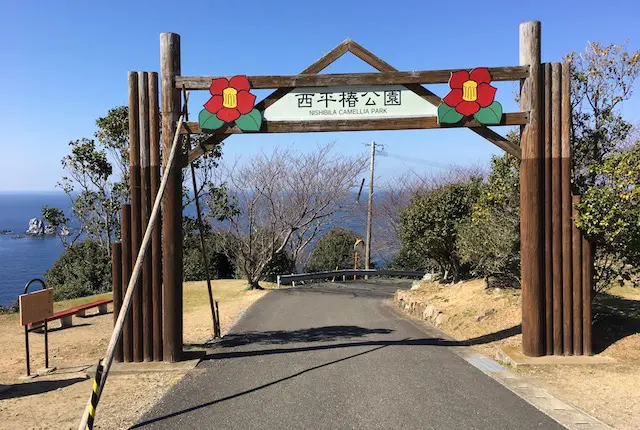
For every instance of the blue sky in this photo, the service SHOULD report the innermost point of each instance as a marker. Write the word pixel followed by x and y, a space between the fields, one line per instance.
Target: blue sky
pixel 65 63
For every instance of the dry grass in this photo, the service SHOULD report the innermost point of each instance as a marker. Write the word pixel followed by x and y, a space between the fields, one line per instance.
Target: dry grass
pixel 57 400
pixel 609 392
pixel 463 302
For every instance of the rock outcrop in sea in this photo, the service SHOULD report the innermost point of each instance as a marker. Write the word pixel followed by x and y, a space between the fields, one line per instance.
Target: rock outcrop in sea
pixel 37 227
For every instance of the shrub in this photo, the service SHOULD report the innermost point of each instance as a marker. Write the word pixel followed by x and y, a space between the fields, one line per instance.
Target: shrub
pixel 334 250
pixel 83 269
pixel 279 265
pixel 491 247
pixel 490 240
pixel 610 216
pixel 218 263
pixel 429 224
pixel 408 259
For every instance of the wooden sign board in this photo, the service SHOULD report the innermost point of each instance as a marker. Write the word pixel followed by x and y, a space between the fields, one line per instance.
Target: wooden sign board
pixel 352 102
pixel 36 306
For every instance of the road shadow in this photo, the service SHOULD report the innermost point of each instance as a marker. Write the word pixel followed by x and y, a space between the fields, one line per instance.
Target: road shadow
pixel 37 387
pixel 429 341
pixel 614 318
pixel 307 335
pixel 252 390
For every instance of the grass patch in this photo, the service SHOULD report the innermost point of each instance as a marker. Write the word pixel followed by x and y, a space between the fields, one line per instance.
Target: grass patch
pixel 195 292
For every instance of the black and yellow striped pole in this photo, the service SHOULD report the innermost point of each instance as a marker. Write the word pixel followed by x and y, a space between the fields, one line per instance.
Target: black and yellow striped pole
pixel 93 404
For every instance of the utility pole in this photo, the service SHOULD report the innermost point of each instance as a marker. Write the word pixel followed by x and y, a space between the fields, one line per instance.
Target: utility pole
pixel 367 252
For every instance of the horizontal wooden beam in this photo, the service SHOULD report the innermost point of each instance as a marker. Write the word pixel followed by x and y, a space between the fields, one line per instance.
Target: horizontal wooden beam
pixel 427 122
pixel 510 73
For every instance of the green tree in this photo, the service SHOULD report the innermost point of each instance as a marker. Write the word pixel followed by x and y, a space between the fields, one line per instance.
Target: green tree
pixel 333 251
pixel 602 78
pixel 430 223
pixel 97 191
pixel 54 217
pixel 610 216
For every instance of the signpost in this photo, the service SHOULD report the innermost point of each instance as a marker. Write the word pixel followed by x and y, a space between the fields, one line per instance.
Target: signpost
pixel 34 308
pixel 352 102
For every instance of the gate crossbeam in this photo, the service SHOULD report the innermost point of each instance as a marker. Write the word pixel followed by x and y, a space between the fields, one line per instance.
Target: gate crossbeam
pixel 387 72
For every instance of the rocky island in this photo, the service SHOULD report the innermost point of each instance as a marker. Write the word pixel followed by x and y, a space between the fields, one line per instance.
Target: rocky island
pixel 37 227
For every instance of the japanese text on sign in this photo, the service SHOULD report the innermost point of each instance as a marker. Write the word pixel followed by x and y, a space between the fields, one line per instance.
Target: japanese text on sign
pixel 390 101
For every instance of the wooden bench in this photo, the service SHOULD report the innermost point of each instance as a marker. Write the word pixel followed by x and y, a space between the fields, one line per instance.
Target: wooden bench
pixel 65 316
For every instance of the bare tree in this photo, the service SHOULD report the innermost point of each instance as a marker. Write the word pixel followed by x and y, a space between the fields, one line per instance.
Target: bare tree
pixel 282 201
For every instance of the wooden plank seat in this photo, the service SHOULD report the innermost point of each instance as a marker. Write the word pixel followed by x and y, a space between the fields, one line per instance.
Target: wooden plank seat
pixel 65 315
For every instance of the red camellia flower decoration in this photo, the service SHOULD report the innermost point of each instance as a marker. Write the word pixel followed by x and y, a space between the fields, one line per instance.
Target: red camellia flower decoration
pixel 231 98
pixel 470 91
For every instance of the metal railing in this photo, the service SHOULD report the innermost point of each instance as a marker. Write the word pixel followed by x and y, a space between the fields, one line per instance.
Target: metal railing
pixel 291 279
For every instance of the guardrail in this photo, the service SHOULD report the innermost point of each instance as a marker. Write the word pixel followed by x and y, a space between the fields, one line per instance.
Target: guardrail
pixel 291 279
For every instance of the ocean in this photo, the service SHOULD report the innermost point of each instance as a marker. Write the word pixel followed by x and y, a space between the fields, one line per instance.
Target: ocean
pixel 22 259
pixel 28 257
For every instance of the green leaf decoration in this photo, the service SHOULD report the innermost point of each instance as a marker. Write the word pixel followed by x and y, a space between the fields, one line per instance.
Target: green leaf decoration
pixel 209 121
pixel 492 114
pixel 448 115
pixel 250 122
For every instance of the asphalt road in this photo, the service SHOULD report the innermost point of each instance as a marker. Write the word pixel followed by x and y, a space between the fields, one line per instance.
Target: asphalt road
pixel 332 356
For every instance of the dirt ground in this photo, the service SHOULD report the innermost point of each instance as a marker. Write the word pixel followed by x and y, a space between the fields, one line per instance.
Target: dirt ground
pixel 489 319
pixel 57 400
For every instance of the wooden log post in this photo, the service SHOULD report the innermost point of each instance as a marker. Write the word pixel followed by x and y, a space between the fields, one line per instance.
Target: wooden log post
pixel 567 211
pixel 127 332
pixel 171 202
pixel 575 299
pixel 548 231
pixel 531 189
pixel 116 289
pixel 587 295
pixel 556 185
pixel 145 211
pixel 156 239
pixel 134 186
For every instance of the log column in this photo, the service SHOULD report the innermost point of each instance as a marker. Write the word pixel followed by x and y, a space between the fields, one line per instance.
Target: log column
pixel 134 185
pixel 565 309
pixel 531 190
pixel 116 288
pixel 145 212
pixel 171 202
pixel 587 296
pixel 127 331
pixel 156 238
pixel 575 291
pixel 556 185
pixel 548 231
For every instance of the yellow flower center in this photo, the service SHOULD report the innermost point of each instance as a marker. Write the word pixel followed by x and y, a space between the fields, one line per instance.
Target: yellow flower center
pixel 470 91
pixel 230 98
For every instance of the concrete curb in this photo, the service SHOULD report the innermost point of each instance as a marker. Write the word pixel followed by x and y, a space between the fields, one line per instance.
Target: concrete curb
pixel 514 357
pixel 567 415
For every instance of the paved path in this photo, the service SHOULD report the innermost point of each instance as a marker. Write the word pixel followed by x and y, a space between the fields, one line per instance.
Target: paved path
pixel 334 357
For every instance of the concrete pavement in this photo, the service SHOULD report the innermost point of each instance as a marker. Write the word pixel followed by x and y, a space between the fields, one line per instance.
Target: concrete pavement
pixel 332 356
